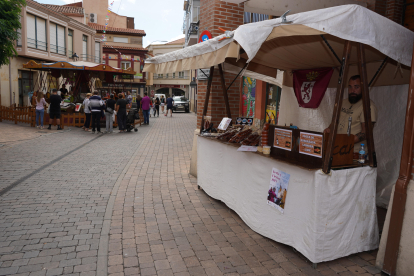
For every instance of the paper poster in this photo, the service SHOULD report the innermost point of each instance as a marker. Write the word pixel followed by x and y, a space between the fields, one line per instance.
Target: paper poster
pixel 247 148
pixel 276 196
pixel 283 139
pixel 78 107
pixel 224 123
pixel 311 144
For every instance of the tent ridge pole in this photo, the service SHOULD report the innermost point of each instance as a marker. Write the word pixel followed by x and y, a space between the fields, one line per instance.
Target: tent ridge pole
pixel 366 104
pixel 223 86
pixel 209 84
pixel 327 162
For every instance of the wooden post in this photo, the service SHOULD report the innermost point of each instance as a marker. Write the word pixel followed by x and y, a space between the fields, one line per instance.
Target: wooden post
pixel 366 102
pixel 337 108
pixel 223 86
pixel 210 81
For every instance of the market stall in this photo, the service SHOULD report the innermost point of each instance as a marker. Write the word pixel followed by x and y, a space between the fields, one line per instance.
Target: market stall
pixel 328 200
pixel 81 77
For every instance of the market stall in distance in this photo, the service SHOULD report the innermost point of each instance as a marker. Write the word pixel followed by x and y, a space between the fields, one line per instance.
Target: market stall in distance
pixel 329 200
pixel 82 78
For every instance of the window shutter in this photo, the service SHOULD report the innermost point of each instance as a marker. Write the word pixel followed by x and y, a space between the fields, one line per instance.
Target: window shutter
pixel 85 48
pixel 31 31
pixel 41 34
pixel 70 43
pixel 61 40
pixel 53 38
pixel 97 52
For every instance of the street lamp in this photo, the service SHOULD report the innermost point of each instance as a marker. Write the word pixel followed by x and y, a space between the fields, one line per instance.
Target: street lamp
pixel 193 86
pixel 75 57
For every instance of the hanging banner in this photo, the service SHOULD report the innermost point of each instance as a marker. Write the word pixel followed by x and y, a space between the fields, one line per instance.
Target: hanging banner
pixel 310 86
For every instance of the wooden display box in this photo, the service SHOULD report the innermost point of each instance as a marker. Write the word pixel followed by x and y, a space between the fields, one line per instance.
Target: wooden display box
pixel 307 148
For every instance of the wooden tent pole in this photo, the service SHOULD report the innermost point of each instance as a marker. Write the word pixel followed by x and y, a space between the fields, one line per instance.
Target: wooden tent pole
pixel 327 162
pixel 223 86
pixel 366 103
pixel 210 81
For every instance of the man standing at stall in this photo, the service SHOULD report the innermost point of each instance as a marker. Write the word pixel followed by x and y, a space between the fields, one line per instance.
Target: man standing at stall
pixel 96 107
pixel 54 109
pixel 63 92
pixel 352 109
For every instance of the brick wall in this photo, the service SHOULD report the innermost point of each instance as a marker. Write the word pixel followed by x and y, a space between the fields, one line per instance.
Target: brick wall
pixel 216 14
pixel 394 10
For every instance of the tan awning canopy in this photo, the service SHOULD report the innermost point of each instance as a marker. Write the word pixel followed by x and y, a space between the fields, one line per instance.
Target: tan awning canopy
pixel 271 45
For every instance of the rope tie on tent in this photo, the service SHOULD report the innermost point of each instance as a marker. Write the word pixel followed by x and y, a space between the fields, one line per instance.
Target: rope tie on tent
pixel 330 48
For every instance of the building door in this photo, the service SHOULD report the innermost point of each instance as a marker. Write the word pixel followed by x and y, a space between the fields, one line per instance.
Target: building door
pixel 25 86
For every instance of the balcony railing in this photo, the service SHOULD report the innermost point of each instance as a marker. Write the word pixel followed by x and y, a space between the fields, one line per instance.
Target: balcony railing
pixel 90 58
pixel 58 49
pixel 192 30
pixel 36 44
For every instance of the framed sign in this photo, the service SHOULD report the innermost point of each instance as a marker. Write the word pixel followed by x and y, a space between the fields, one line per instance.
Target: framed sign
pixel 283 139
pixel 311 144
pixel 244 121
pixel 224 123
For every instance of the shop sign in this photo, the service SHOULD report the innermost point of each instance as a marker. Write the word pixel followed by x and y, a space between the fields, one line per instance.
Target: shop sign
pixel 169 85
pixel 244 121
pixel 138 76
pixel 203 76
pixel 283 139
pixel 311 144
pixel 276 196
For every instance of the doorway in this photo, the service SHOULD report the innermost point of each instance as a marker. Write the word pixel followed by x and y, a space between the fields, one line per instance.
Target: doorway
pixel 25 86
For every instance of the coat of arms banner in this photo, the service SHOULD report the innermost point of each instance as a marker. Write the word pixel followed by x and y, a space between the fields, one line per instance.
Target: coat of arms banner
pixel 310 86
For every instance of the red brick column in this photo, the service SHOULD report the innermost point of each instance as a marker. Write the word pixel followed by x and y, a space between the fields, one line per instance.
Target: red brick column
pixel 216 14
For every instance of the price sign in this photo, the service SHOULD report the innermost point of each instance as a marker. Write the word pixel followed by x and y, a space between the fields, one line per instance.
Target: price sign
pixel 311 144
pixel 224 123
pixel 283 139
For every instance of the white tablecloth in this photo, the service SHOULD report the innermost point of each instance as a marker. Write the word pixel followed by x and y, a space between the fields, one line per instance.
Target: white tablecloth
pixel 325 217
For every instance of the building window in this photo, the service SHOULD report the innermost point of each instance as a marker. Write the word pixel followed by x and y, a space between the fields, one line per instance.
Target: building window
pixel 160 76
pixel 85 47
pixel 125 64
pixel 250 17
pixel 36 32
pixel 173 75
pixel 70 43
pixel 166 76
pixel 57 39
pixel 181 74
pixel 19 40
pixel 97 52
pixel 121 39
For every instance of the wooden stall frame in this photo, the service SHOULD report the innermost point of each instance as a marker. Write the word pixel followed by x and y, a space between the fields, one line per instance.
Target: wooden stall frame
pixel 207 98
pixel 223 87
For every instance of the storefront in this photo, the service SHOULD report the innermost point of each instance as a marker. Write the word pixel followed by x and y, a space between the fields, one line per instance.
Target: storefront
pixel 320 199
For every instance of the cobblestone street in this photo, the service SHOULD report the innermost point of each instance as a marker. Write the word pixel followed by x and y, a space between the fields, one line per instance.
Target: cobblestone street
pixel 74 203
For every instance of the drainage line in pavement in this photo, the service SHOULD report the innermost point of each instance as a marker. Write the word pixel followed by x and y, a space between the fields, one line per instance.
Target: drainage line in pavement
pixel 14 184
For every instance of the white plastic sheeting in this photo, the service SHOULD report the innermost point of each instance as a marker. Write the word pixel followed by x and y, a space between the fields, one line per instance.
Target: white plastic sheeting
pixel 391 103
pixel 326 216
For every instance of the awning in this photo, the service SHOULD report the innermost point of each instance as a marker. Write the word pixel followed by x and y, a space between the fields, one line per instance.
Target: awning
pixel 270 45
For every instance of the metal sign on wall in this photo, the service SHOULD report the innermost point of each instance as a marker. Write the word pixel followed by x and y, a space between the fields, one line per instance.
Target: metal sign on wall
pixel 204 74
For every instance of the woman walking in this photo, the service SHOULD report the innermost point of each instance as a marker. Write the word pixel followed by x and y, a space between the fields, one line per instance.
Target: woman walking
pixel 157 106
pixel 120 108
pixel 40 109
pixel 162 103
pixel 87 112
pixel 109 111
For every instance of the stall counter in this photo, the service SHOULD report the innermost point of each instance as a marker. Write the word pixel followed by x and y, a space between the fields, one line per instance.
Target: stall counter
pixel 325 217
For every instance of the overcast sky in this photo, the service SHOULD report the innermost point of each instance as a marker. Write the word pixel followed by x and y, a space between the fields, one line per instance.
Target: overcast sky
pixel 160 19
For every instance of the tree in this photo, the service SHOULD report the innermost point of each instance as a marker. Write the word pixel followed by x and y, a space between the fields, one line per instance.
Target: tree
pixel 10 11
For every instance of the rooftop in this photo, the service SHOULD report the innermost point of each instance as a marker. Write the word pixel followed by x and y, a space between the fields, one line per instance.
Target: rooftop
pixel 116 30
pixel 178 41
pixel 66 9
pixel 123 47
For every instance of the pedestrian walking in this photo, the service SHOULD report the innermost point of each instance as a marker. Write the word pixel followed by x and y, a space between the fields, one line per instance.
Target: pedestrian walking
pixel 151 106
pixel 40 109
pixel 87 112
pixel 109 111
pixel 96 106
pixel 54 110
pixel 121 106
pixel 145 104
pixel 157 106
pixel 170 104
pixel 162 103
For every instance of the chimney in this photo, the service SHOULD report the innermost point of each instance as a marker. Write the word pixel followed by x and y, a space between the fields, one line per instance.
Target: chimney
pixel 130 23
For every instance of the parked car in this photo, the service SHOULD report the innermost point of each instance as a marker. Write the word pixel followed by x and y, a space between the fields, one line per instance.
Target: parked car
pixel 181 103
